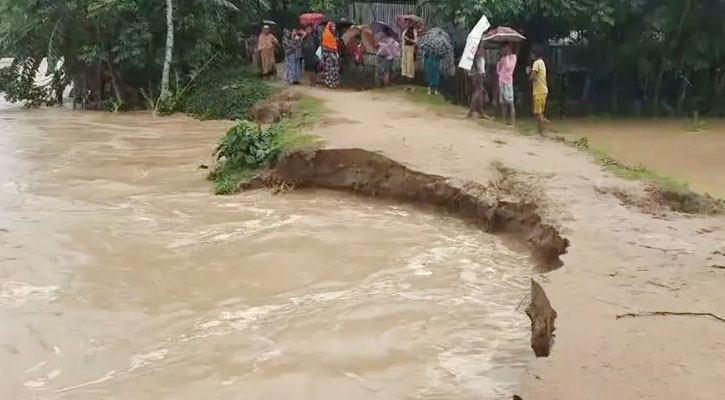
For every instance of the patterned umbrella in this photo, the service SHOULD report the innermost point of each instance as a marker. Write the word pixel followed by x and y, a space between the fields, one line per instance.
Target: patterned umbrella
pixel 503 34
pixel 437 42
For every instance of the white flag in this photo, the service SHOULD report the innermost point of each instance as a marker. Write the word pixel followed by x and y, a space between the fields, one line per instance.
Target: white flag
pixel 474 39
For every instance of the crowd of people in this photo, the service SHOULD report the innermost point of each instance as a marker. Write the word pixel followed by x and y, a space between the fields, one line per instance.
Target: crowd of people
pixel 320 50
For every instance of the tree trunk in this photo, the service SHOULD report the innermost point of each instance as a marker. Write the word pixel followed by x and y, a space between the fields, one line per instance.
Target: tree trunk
pixel 116 89
pixel 169 51
pixel 658 90
pixel 684 84
pixel 615 93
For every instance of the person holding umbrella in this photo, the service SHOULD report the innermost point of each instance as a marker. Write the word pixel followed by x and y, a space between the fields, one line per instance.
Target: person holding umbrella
pixel 410 42
pixel 505 66
pixel 309 52
pixel 505 70
pixel 437 52
pixel 388 52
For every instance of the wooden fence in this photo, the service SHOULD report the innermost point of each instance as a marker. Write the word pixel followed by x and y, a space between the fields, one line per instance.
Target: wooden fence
pixel 363 12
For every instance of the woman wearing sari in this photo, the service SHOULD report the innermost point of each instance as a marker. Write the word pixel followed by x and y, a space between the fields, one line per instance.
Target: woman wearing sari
pixel 409 40
pixel 292 43
pixel 309 50
pixel 330 57
pixel 265 46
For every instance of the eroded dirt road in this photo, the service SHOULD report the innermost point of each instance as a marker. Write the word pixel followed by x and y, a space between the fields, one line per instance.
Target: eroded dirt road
pixel 621 260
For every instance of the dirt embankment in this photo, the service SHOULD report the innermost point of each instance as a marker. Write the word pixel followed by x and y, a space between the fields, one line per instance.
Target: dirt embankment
pixel 621 260
pixel 371 174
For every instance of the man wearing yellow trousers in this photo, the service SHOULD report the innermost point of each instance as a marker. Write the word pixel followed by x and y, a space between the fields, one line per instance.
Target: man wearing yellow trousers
pixel 537 74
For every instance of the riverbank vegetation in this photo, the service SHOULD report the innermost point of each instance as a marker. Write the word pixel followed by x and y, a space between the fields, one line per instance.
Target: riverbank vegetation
pixel 225 93
pixel 247 147
pixel 116 54
pixel 614 56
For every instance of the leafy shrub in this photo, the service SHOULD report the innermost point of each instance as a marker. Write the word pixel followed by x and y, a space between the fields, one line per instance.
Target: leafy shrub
pixel 243 150
pixel 228 93
pixel 245 147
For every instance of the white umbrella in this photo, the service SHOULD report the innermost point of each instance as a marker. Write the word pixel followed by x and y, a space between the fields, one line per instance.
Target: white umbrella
pixel 474 39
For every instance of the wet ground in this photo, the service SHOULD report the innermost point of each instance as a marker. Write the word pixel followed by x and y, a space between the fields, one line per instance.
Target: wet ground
pixel 122 276
pixel 621 260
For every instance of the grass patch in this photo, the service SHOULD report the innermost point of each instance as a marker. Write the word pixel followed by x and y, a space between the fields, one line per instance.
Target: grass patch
pixel 229 179
pixel 244 150
pixel 226 93
pixel 696 123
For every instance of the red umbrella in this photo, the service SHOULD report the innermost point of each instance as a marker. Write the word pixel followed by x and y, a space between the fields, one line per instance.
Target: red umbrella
pixel 311 19
pixel 503 34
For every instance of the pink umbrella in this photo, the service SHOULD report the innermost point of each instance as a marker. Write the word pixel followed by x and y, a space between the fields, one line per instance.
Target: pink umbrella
pixel 403 19
pixel 503 34
pixel 311 19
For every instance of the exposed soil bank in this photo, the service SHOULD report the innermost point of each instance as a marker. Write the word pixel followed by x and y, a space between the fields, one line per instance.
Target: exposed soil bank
pixel 372 174
pixel 621 260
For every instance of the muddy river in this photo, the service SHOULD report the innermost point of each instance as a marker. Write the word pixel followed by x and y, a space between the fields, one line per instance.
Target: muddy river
pixel 123 277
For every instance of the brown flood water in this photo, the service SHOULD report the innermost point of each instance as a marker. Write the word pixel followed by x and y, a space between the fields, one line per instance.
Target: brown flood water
pixel 666 146
pixel 123 277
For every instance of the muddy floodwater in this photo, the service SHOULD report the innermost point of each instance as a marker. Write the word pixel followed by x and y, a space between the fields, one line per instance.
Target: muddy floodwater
pixel 123 277
pixel 671 147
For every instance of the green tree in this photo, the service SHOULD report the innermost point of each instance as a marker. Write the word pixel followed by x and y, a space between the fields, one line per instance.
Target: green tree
pixel 113 51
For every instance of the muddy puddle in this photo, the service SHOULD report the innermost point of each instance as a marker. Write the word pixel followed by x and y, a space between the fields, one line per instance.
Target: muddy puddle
pixel 121 276
pixel 677 148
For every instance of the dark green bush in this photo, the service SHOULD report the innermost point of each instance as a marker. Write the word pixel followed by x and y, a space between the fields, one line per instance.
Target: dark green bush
pixel 242 151
pixel 245 147
pixel 228 93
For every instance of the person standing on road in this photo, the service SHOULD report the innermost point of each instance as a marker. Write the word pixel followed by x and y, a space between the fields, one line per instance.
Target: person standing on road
pixel 266 46
pixel 537 74
pixel 330 57
pixel 388 52
pixel 309 51
pixel 505 70
pixel 252 44
pixel 478 79
pixel 433 72
pixel 409 39
pixel 292 44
